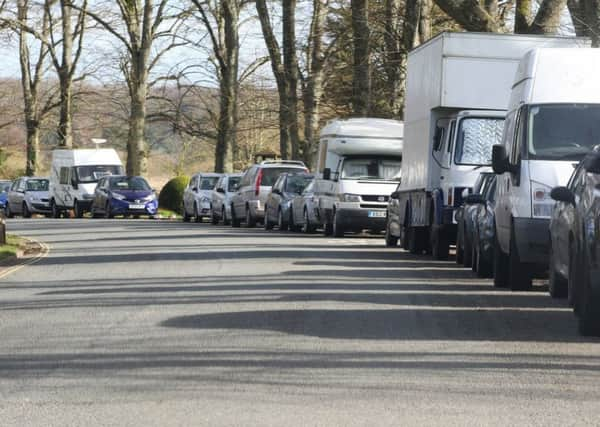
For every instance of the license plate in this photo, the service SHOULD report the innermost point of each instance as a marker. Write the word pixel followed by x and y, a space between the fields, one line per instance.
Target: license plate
pixel 377 214
pixel 137 206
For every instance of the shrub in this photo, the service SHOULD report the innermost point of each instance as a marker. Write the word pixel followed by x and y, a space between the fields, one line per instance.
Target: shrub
pixel 171 195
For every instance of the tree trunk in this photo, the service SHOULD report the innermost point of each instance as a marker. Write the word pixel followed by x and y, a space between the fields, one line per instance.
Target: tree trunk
pixel 591 10
pixel 33 146
pixel 65 124
pixel 470 15
pixel 361 83
pixel 579 17
pixel 137 158
pixel 393 57
pixel 523 12
pixel 547 19
pixel 425 30
pixel 290 64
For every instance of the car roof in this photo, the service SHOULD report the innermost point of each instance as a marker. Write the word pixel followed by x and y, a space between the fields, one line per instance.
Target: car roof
pixel 282 163
pixel 207 174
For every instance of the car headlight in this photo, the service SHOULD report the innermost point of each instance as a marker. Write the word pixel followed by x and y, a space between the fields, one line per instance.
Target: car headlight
pixel 149 198
pixel 351 198
pixel 541 201
pixel 118 196
pixel 205 200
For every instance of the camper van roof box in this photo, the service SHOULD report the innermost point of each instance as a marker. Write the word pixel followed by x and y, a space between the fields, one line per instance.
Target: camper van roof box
pixel 285 162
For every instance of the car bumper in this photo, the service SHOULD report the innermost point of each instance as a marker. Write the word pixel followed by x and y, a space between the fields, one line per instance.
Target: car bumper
pixel 359 219
pixel 39 207
pixel 122 207
pixel 532 239
pixel 257 209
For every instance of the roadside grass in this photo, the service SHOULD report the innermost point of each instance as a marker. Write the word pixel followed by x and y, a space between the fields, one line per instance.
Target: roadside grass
pixel 11 247
pixel 168 213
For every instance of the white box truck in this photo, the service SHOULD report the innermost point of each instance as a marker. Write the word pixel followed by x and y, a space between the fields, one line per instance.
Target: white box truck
pixel 458 88
pixel 74 175
pixel 553 121
pixel 359 166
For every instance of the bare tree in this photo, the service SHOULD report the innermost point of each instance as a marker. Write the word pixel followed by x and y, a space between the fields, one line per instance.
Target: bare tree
pixel 361 82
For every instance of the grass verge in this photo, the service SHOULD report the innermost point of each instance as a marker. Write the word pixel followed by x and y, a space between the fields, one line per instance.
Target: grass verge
pixel 11 247
pixel 167 213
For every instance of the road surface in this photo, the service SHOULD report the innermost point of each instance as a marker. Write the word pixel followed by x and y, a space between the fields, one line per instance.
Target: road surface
pixel 153 323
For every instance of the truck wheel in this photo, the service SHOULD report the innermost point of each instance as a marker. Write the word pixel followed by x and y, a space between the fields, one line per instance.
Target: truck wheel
pixel 500 266
pixel 235 222
pixel 414 246
pixel 250 220
pixel 54 208
pixel 557 285
pixel 519 279
pixel 440 247
pixel 338 230
pixel 26 212
pixel 390 240
pixel 588 304
pixel 77 210
pixel 404 237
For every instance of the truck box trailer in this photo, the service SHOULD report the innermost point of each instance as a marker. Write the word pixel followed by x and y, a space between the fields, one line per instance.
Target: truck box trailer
pixel 458 88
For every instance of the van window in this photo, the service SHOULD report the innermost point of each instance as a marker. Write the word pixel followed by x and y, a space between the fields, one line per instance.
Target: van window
pixel 475 138
pixel 64 176
pixel 86 174
pixel 562 131
pixel 372 168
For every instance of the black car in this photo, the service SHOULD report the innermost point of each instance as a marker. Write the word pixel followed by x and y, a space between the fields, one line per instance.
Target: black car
pixel 465 216
pixel 575 237
pixel 278 209
pixel 484 232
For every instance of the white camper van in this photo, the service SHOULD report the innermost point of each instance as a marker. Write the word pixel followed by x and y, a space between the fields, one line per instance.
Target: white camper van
pixel 552 122
pixel 458 88
pixel 359 166
pixel 74 176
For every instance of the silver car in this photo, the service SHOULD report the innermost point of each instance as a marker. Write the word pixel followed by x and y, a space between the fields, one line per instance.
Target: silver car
pixel 221 198
pixel 197 196
pixel 305 209
pixel 27 196
pixel 248 203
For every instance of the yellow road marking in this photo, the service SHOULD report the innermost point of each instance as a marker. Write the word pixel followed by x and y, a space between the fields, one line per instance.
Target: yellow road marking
pixel 39 257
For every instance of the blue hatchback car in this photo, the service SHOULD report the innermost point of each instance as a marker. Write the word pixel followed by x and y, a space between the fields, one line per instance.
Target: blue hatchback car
pixel 4 187
pixel 124 195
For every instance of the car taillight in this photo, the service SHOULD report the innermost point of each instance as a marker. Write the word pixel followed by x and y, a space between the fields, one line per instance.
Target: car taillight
pixel 258 181
pixel 450 196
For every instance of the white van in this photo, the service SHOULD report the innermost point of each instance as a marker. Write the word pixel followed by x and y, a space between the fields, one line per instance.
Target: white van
pixel 74 176
pixel 359 166
pixel 552 122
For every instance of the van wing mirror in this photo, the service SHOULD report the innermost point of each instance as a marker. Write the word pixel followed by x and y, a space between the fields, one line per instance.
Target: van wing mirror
pixel 563 194
pixel 395 195
pixel 500 163
pixel 327 174
pixel 592 163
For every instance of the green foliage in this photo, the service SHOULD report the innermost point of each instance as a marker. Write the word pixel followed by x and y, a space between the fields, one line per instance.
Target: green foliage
pixel 171 195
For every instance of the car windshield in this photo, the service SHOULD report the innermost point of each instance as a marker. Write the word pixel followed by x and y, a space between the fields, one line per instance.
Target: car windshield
pixel 372 168
pixel 37 185
pixel 94 173
pixel 233 182
pixel 134 183
pixel 4 187
pixel 297 183
pixel 562 132
pixel 270 175
pixel 475 139
pixel 208 182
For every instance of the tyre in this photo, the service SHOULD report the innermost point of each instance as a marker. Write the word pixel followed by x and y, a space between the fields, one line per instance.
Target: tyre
pixel 500 266
pixel 519 279
pixel 25 210
pixel 573 280
pixel 390 240
pixel 307 227
pixel 197 217
pixel 224 215
pixel 55 210
pixel 281 224
pixel 338 229
pixel 77 210
pixel 291 223
pixel 404 237
pixel 460 252
pixel 558 286
pixel 440 247
pixel 588 315
pixel 235 222
pixel 328 229
pixel 108 211
pixel 186 216
pixel 268 225
pixel 483 266
pixel 8 212
pixel 414 246
pixel 214 219
pixel 250 220
pixel 467 251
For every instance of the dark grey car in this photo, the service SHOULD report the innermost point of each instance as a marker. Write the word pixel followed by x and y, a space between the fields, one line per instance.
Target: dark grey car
pixel 483 233
pixel 278 209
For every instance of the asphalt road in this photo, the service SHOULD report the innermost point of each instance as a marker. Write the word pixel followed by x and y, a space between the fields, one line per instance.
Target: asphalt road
pixel 164 323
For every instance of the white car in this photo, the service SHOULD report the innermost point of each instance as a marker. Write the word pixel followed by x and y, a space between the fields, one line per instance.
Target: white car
pixel 197 196
pixel 221 198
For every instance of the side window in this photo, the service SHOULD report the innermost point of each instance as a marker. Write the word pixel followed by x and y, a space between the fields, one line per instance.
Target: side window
pixel 220 183
pixel 64 175
pixel 574 178
pixel 519 136
pixel 451 135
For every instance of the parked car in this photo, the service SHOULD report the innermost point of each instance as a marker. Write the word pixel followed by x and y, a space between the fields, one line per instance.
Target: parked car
pixel 278 209
pixel 197 196
pixel 248 203
pixel 483 234
pixel 4 188
pixel 465 216
pixel 27 196
pixel 221 198
pixel 124 195
pixel 305 208
pixel 575 236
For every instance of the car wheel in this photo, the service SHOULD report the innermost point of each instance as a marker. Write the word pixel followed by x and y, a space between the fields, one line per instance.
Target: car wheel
pixel 338 229
pixel 281 224
pixel 77 210
pixel 250 220
pixel 390 240
pixel 292 223
pixel 474 255
pixel 500 266
pixel 572 280
pixel 25 210
pixel 558 286
pixel 467 251
pixel 483 267
pixel 440 247
pixel 460 252
pixel 235 222
pixel 55 210
pixel 588 314
pixel 197 217
pixel 108 211
pixel 224 215
pixel 214 219
pixel 186 216
pixel 519 279
pixel 8 212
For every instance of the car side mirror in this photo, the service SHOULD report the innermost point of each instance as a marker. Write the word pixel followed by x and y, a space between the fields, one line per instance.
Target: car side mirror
pixel 500 163
pixel 592 164
pixel 195 189
pixel 563 194
pixel 395 195
pixel 220 190
pixel 275 191
pixel 474 199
